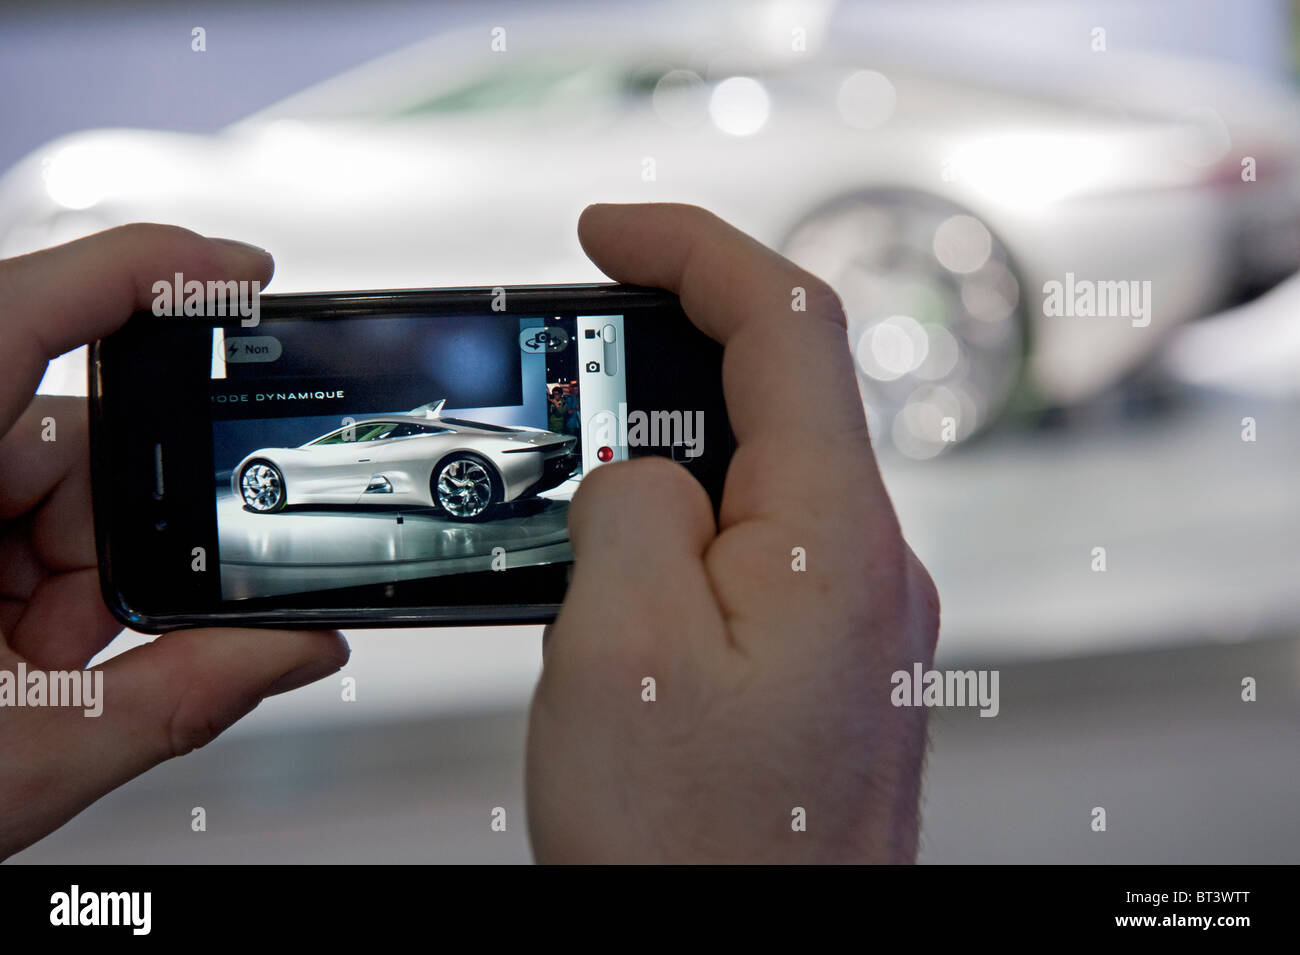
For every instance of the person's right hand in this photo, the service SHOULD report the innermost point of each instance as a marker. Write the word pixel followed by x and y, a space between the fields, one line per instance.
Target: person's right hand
pixel 772 685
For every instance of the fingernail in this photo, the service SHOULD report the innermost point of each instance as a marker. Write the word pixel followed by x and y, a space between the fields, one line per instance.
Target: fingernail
pixel 242 246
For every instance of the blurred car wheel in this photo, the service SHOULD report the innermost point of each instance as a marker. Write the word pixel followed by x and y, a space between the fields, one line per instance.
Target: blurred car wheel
pixel 935 319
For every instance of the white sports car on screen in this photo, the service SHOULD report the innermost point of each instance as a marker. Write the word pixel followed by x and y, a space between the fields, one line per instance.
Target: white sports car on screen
pixel 465 469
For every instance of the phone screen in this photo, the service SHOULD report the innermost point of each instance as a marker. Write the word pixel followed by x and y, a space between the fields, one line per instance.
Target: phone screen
pixel 406 447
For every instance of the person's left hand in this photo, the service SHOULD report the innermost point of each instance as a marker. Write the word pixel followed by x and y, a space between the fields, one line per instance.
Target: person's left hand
pixel 160 700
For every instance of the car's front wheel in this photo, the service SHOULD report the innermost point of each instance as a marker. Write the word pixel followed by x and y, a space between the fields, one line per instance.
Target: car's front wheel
pixel 262 487
pixel 466 487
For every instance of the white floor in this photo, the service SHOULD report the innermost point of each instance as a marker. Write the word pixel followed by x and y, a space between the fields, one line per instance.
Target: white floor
pixel 1185 770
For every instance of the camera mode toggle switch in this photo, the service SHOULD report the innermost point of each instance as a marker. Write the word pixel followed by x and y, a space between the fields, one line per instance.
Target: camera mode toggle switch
pixel 609 335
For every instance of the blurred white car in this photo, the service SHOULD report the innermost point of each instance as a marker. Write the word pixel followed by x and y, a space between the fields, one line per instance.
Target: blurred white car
pixel 940 207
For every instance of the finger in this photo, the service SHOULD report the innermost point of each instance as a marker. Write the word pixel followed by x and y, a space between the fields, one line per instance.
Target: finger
pixel 55 616
pixel 48 440
pixel 788 379
pixel 159 701
pixel 63 623
pixel 785 362
pixel 639 531
pixel 804 504
pixel 21 571
pixel 45 476
pixel 59 298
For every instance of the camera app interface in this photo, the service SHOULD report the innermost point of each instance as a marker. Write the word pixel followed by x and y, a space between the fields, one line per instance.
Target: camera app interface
pixel 366 451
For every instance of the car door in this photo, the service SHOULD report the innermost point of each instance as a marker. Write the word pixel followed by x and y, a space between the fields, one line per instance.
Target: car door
pixel 336 468
pixel 400 463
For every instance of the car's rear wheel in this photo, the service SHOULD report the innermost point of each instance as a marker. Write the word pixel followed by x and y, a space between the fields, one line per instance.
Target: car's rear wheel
pixel 936 323
pixel 261 484
pixel 466 487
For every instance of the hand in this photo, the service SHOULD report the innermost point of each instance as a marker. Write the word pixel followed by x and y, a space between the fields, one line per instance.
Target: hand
pixel 162 699
pixel 772 685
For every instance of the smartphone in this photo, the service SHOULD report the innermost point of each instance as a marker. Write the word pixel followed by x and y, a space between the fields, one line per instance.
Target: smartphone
pixel 381 458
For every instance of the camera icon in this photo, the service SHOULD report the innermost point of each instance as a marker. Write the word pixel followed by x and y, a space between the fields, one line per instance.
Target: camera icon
pixel 593 367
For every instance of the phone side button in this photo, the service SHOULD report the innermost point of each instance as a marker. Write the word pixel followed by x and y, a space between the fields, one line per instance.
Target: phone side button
pixel 157 472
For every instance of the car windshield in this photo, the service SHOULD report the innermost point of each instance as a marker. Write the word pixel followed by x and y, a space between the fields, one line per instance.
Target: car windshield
pixel 365 431
pixel 531 85
pixel 413 86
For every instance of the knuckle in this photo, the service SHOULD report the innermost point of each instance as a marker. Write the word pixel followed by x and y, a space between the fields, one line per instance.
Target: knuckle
pixel 695 221
pixel 147 240
pixel 186 735
pixel 137 234
pixel 824 302
pixel 197 719
pixel 924 600
pixel 150 231
pixel 928 593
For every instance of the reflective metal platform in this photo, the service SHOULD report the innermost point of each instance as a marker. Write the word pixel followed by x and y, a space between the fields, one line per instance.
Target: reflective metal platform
pixel 316 548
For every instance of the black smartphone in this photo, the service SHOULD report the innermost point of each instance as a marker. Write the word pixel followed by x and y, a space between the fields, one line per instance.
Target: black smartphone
pixel 381 458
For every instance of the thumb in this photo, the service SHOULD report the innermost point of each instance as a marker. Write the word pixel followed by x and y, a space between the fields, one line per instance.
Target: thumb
pixel 158 701
pixel 639 531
